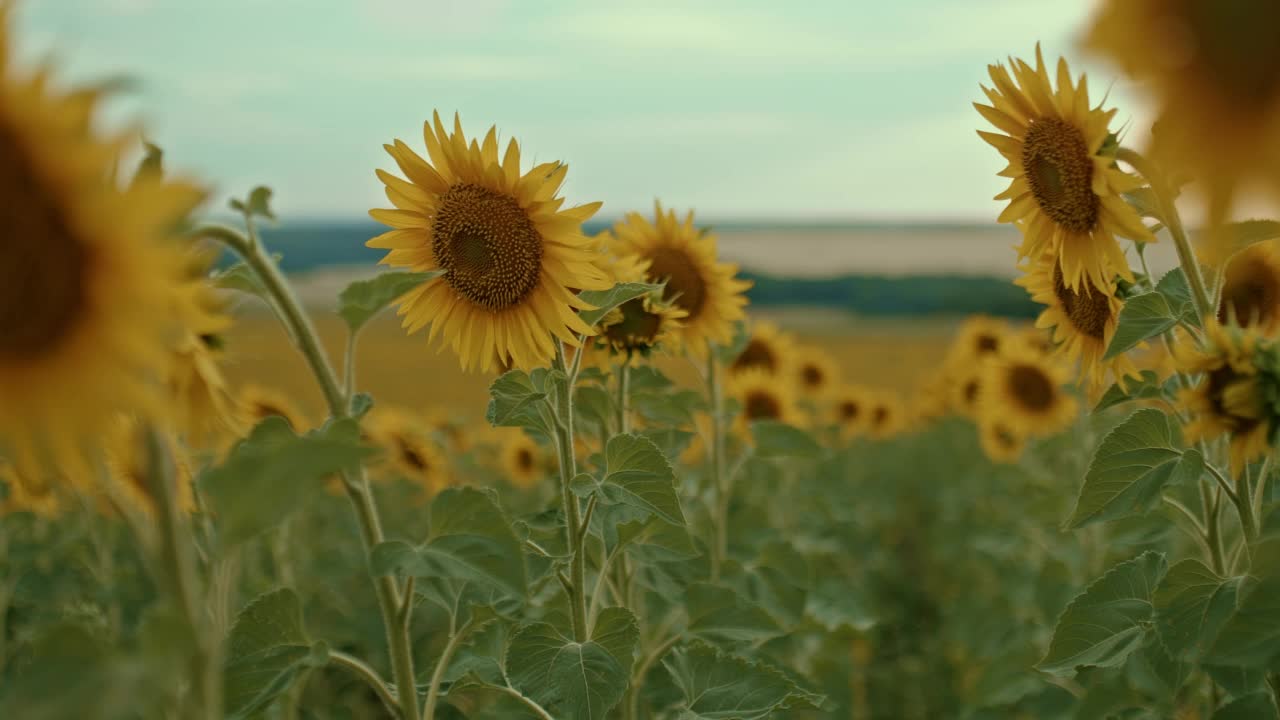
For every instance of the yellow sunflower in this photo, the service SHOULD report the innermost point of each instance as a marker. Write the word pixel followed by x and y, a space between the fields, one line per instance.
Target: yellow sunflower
pixel 641 324
pixel 1229 399
pixel 408 451
pixel 685 258
pixel 851 410
pixel 767 349
pixel 447 428
pixel 1251 289
pixel 816 372
pixel 1214 67
pixel 510 256
pixel 763 397
pixel 202 408
pixel 42 499
pixel 1024 392
pixel 256 403
pixel 128 472
pixel 1083 322
pixel 522 460
pixel 932 399
pixel 966 388
pixel 1000 442
pixel 88 275
pixel 885 416
pixel 1064 194
pixel 979 336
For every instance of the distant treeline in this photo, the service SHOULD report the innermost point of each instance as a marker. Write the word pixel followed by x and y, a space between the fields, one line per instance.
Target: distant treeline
pixel 312 246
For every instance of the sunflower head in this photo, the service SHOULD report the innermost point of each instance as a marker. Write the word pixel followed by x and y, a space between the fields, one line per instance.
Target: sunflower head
pixel 684 257
pixel 42 500
pixel 851 410
pixel 979 337
pixel 768 349
pixel 1024 391
pixel 641 324
pixel 1000 440
pixel 1064 192
pixel 408 451
pixel 509 257
pixel 966 388
pixel 256 403
pixel 202 408
pixel 522 460
pixel 885 416
pixel 762 397
pixel 816 372
pixel 1251 289
pixel 130 486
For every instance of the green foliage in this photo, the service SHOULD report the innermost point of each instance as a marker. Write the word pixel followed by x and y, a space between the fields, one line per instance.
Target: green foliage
pixel 266 651
pixel 716 685
pixel 1237 236
pixel 605 301
pixel 360 301
pixel 775 439
pixel 575 681
pixel 1143 316
pixel 636 475
pixel 1146 387
pixel 257 204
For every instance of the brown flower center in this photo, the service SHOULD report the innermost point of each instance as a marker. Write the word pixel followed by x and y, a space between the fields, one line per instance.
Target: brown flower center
pixel 849 411
pixel 45 266
pixel 1219 381
pixel 879 416
pixel 489 249
pixel 1088 310
pixel 1251 292
pixel 986 343
pixel 686 287
pixel 970 391
pixel 1059 170
pixel 411 456
pixel 1031 387
pixel 524 460
pixel 761 405
pixel 1237 44
pixel 638 328
pixel 757 354
pixel 812 376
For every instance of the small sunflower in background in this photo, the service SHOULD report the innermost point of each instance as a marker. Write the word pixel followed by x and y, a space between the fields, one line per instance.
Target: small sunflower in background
pixel 408 451
pixel 521 460
pixel 763 397
pixel 932 398
pixel 1065 193
pixel 41 500
pixel 1214 68
pixel 256 403
pixel 885 416
pixel 684 257
pixel 1000 441
pixel 768 349
pixel 1025 392
pixel 510 256
pixel 1251 289
pixel 88 274
pixel 1083 322
pixel 851 410
pixel 641 324
pixel 1241 372
pixel 979 337
pixel 451 432
pixel 816 372
pixel 966 387
pixel 129 474
pixel 203 410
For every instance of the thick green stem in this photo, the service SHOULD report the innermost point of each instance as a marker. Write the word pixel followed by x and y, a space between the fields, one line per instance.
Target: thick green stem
pixel 367 674
pixel 1213 538
pixel 574 532
pixel 1243 502
pixel 624 395
pixel 451 647
pixel 357 484
pixel 719 483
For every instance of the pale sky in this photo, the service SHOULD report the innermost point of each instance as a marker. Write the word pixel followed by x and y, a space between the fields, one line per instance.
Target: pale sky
pixel 841 109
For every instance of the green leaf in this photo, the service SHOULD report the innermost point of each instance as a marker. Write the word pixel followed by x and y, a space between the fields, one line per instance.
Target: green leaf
pixel 1251 637
pixel 1125 390
pixel 266 650
pixel 716 685
pixel 1144 201
pixel 775 439
pixel 720 613
pixel 514 401
pixel 1108 620
pixel 657 540
pixel 1143 316
pixel 363 299
pixel 1192 603
pixel 273 472
pixel 637 475
pixel 667 407
pixel 617 631
pixel 671 441
pixel 606 300
pixel 471 540
pixel 258 203
pixel 1240 235
pixel 573 681
pixel 361 404
pixel 1236 680
pixel 835 605
pixel 241 278
pixel 1254 706
pixel 1132 465
pixel 1173 286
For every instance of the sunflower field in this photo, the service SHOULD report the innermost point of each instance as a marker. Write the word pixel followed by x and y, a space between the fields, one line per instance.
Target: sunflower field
pixel 673 509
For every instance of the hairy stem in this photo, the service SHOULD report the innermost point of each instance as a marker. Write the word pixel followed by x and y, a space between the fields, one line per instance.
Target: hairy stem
pixel 451 647
pixel 369 676
pixel 624 395
pixel 574 532
pixel 719 485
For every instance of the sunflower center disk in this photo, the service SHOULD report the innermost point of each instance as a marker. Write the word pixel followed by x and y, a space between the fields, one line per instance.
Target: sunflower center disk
pixel 489 249
pixel 524 460
pixel 849 411
pixel 1089 310
pixel 638 327
pixel 1236 42
pixel 1059 170
pixel 987 344
pixel 411 456
pixel 761 406
pixel 812 376
pixel 686 288
pixel 42 277
pixel 756 355
pixel 1220 381
pixel 1031 387
pixel 1250 294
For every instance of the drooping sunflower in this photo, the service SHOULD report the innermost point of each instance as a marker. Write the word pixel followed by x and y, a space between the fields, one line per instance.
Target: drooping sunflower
pixel 816 372
pixel 1214 67
pixel 202 408
pixel 1241 370
pixel 979 337
pixel 684 257
pixel 763 397
pixel 1024 392
pixel 644 323
pixel 88 275
pixel 510 257
pixel 851 410
pixel 257 403
pixel 521 460
pixel 885 417
pixel 127 470
pixel 1064 194
pixel 1083 322
pixel 1251 288
pixel 1000 442
pixel 408 451
pixel 40 499
pixel 768 349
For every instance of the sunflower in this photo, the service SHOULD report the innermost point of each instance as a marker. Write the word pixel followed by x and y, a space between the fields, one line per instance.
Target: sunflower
pixel 850 410
pixel 128 473
pixel 521 460
pixel 763 397
pixel 509 256
pixel 257 403
pixel 447 428
pixel 1023 391
pixel 1083 322
pixel 1065 193
pixel 979 336
pixel 1251 288
pixel 408 451
pixel 768 349
pixel 816 372
pixel 1240 371
pixel 685 258
pixel 640 324
pixel 42 500
pixel 88 276
pixel 1214 67
pixel 202 408
pixel 1000 442
pixel 885 416
pixel 966 389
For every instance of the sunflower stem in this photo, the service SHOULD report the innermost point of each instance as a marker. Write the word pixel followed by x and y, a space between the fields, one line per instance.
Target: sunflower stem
pixel 574 531
pixel 720 487
pixel 624 395
pixel 357 482
pixel 451 647
pixel 1212 537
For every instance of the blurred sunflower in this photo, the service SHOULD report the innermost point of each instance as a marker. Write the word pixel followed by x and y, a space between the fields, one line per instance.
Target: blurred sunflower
pixel 1214 66
pixel 816 372
pixel 126 463
pixel 1000 442
pixel 1083 322
pixel 641 324
pixel 932 399
pixel 510 257
pixel 408 452
pixel 1240 372
pixel 768 349
pixel 885 416
pixel 448 429
pixel 521 460
pixel 979 336
pixel 763 397
pixel 1024 392
pixel 88 275
pixel 1251 289
pixel 966 388
pixel 1064 194
pixel 42 500
pixel 851 410
pixel 202 407
pixel 256 403
pixel 685 258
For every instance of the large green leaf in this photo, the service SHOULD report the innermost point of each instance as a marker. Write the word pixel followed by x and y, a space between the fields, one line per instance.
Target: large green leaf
pixel 470 540
pixel 273 472
pixel 266 651
pixel 1173 286
pixel 1143 316
pixel 1147 387
pixel 656 540
pixel 572 680
pixel 637 475
pixel 1108 620
pixel 716 685
pixel 1254 706
pixel 516 401
pixel 775 439
pixel 721 613
pixel 604 301
pixel 1192 602
pixel 617 631
pixel 1132 465
pixel 1251 637
pixel 363 299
